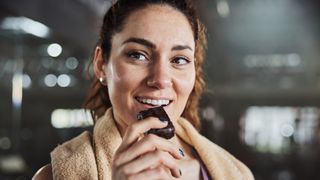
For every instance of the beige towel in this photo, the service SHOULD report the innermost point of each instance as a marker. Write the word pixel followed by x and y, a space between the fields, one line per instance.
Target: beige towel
pixel 84 158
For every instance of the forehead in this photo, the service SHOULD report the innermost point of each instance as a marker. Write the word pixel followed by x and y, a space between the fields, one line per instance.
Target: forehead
pixel 158 23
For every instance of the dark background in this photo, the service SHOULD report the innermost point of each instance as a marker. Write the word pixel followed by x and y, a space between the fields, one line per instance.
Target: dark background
pixel 262 70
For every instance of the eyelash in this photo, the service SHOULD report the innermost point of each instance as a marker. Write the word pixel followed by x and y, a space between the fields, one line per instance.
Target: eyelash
pixel 134 54
pixel 175 60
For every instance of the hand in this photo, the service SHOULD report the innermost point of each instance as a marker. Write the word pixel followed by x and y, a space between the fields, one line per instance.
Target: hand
pixel 142 156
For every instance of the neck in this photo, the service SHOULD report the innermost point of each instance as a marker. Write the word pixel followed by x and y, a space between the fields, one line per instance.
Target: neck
pixel 122 128
pixel 120 125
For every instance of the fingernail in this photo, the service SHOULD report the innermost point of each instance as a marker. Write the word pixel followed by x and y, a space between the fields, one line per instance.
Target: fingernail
pixel 180 172
pixel 164 122
pixel 181 152
pixel 139 116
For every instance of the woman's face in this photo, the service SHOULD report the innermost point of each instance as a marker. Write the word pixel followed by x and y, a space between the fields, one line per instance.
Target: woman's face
pixel 151 64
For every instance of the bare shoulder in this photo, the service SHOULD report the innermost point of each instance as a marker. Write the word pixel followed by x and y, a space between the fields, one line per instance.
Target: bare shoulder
pixel 43 173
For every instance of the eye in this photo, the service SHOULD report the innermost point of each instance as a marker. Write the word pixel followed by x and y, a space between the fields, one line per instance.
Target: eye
pixel 137 55
pixel 180 60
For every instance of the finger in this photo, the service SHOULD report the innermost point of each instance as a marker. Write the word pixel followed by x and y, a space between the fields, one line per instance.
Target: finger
pixel 136 129
pixel 155 173
pixel 153 160
pixel 150 143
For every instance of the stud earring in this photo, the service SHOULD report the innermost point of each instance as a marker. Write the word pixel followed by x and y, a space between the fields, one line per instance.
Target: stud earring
pixel 103 81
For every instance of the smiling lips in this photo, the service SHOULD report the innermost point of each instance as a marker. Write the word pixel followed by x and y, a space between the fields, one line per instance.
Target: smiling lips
pixel 153 102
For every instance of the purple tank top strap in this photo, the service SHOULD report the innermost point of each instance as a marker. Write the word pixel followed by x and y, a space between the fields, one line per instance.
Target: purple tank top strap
pixel 204 172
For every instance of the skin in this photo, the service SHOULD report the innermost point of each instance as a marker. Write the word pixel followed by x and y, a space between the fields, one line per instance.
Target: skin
pixel 152 57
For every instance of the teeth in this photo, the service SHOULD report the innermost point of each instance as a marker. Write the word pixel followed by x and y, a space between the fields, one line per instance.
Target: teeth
pixel 154 102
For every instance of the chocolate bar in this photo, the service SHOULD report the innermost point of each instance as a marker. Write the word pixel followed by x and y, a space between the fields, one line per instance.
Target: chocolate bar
pixel 166 132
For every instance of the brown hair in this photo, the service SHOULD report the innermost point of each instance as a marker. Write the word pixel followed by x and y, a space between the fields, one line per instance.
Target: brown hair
pixel 98 99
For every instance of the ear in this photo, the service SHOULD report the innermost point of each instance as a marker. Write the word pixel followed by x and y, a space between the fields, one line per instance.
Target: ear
pixel 99 64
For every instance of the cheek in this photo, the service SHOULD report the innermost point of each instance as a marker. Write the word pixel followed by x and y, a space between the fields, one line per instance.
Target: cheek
pixel 116 79
pixel 185 85
pixel 121 81
pixel 183 88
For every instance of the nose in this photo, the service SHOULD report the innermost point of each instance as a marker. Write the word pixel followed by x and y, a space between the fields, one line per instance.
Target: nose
pixel 160 76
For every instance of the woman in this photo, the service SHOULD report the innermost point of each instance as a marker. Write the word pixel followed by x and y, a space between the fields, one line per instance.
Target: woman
pixel 149 54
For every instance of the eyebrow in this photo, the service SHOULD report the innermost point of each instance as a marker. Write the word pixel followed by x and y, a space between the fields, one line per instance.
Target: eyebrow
pixel 181 47
pixel 140 41
pixel 153 46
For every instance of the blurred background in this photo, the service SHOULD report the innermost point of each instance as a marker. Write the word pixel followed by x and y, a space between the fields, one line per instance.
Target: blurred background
pixel 262 70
